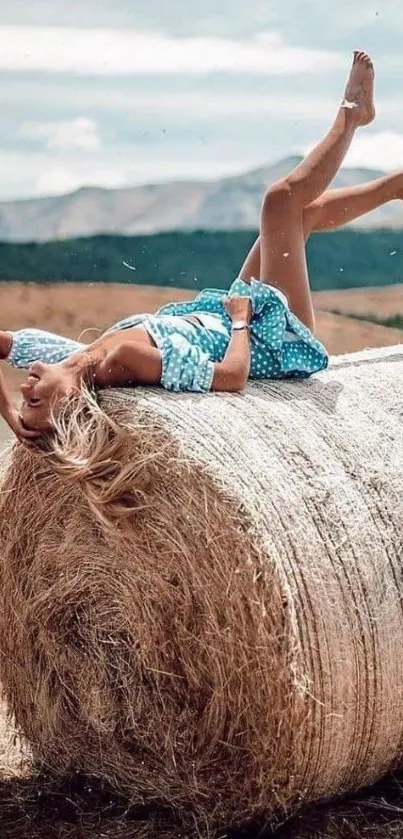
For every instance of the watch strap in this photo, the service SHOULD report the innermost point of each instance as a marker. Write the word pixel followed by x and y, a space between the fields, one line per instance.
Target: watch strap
pixel 240 324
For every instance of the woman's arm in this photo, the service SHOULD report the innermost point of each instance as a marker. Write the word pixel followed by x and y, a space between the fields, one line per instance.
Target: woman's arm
pixel 231 374
pixel 6 404
pixel 128 363
pixel 11 415
pixel 138 364
pixel 6 343
pixel 7 408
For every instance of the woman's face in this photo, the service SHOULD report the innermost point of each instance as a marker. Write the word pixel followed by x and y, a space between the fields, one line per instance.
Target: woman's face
pixel 43 391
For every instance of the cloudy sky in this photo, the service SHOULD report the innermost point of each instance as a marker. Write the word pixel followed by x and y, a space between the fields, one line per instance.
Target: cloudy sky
pixel 118 92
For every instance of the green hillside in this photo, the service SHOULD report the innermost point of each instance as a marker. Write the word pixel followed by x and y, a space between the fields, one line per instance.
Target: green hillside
pixel 344 259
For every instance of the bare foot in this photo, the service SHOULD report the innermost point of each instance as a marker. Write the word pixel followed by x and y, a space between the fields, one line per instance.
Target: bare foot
pixel 360 88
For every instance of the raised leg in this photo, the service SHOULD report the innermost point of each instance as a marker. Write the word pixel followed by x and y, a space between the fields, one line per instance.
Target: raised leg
pixel 335 208
pixel 282 243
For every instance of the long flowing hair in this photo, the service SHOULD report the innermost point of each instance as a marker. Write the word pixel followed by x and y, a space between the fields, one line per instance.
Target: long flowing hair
pixel 99 451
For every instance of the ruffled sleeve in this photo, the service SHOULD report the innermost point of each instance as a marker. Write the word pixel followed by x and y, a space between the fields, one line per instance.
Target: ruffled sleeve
pixel 185 367
pixel 30 345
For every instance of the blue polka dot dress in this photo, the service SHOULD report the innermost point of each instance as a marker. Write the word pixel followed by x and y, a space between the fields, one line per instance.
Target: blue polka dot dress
pixel 281 346
pixel 37 345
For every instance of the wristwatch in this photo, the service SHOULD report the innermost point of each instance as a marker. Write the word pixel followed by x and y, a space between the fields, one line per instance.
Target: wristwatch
pixel 240 324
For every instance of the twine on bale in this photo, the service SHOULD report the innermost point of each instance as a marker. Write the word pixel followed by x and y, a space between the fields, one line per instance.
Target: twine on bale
pixel 234 646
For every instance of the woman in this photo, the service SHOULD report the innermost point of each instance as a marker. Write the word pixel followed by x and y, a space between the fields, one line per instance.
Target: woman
pixel 210 344
pixel 262 329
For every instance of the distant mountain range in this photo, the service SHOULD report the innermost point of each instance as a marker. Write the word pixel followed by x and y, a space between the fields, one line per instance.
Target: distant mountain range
pixel 229 203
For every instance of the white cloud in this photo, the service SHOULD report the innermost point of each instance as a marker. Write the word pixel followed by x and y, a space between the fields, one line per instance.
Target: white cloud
pixel 377 150
pixel 23 175
pixel 80 133
pixel 382 150
pixel 57 180
pixel 205 104
pixel 199 104
pixel 26 174
pixel 108 52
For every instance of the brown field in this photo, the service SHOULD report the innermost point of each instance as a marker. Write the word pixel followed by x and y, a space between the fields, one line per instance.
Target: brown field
pixel 73 309
pixel 383 302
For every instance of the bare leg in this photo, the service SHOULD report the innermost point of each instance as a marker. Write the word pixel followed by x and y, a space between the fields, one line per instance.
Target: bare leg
pixel 340 206
pixel 282 245
pixel 335 208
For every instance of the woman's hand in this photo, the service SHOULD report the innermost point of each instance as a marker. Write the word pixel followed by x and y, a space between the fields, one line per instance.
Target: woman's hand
pixel 6 343
pixel 13 420
pixel 238 308
pixel 11 415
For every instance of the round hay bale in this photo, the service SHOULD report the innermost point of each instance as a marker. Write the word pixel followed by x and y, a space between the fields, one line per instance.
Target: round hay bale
pixel 234 647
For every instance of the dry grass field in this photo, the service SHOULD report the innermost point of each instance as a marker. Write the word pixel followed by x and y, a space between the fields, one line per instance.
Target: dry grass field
pixel 383 302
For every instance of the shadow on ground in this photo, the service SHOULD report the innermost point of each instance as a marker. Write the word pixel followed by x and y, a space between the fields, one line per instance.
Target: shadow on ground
pixel 37 808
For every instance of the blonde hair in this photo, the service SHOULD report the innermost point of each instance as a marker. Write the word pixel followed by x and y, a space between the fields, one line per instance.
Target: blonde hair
pixel 98 451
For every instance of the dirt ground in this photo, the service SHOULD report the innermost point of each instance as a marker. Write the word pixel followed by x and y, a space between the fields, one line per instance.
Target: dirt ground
pixel 35 807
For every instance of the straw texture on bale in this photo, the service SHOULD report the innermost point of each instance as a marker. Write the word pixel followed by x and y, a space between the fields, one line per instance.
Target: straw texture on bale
pixel 236 647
